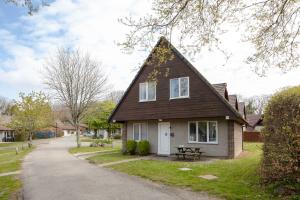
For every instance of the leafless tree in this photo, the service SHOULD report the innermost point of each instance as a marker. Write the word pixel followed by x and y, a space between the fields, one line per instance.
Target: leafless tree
pixel 77 80
pixel 5 105
pixel 256 104
pixel 115 96
pixel 31 5
pixel 271 26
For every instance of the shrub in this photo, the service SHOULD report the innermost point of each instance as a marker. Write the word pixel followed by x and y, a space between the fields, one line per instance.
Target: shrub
pixel 144 148
pixel 117 137
pixel 59 134
pixel 131 147
pixel 281 149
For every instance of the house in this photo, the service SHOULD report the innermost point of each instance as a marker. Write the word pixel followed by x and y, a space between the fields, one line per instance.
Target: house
pixel 67 128
pixel 253 130
pixel 180 108
pixel 6 134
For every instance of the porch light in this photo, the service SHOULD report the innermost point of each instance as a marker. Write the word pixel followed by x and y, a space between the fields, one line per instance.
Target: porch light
pixel 160 120
pixel 227 117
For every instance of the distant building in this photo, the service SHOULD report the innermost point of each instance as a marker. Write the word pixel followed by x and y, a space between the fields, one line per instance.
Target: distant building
pixel 253 130
pixel 6 134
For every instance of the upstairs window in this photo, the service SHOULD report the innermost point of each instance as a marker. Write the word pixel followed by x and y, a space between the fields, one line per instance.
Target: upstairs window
pixel 203 132
pixel 147 91
pixel 179 88
pixel 140 131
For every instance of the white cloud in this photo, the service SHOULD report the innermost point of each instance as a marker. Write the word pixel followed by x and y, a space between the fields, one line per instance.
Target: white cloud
pixel 93 26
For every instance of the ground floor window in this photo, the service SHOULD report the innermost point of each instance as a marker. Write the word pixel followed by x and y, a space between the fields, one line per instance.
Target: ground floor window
pixel 140 131
pixel 203 132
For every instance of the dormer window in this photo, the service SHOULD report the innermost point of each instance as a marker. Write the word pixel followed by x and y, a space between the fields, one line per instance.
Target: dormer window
pixel 147 91
pixel 179 88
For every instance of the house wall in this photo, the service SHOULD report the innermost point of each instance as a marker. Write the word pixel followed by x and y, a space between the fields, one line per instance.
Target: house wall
pixel 238 139
pixel 179 128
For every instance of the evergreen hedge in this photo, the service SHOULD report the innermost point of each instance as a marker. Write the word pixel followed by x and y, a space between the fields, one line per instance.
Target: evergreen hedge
pixel 281 150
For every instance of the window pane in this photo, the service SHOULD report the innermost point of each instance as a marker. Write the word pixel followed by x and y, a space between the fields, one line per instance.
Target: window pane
pixel 212 131
pixel 144 132
pixel 192 132
pixel 184 87
pixel 143 94
pixel 136 130
pixel 202 132
pixel 151 90
pixel 174 88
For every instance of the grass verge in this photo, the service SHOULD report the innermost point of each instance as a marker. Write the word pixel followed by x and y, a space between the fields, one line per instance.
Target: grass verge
pixel 111 157
pixel 74 150
pixel 237 179
pixel 9 162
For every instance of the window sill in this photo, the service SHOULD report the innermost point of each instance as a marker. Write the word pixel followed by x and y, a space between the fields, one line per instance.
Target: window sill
pixel 143 101
pixel 203 142
pixel 179 98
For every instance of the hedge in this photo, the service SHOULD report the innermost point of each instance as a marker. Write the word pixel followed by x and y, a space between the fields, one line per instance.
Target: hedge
pixel 281 150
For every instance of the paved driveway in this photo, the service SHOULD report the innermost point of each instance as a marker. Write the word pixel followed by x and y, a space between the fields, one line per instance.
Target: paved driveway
pixel 51 173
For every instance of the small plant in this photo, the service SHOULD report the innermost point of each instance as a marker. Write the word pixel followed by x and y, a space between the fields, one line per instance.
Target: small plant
pixel 131 147
pixel 117 137
pixel 144 148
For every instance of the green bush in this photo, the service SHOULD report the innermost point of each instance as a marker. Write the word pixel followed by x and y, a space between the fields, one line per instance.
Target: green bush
pixel 131 147
pixel 144 148
pixel 117 137
pixel 59 134
pixel 280 165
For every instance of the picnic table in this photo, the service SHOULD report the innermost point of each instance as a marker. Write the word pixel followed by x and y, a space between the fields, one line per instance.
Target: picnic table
pixel 185 152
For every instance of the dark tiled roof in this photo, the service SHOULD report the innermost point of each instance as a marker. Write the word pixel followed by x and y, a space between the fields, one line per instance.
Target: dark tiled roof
pixel 4 128
pixel 241 106
pixel 233 101
pixel 253 120
pixel 221 88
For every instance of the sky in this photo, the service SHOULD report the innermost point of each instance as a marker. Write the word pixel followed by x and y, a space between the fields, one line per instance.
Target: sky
pixel 27 41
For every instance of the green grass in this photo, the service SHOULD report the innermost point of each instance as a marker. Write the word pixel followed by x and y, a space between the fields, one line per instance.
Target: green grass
pixel 87 139
pixel 9 162
pixel 111 157
pixel 12 144
pixel 74 150
pixel 237 179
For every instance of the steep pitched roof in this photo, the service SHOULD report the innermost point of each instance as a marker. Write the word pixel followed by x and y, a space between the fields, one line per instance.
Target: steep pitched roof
pixel 4 128
pixel 253 120
pixel 222 98
pixel 233 101
pixel 221 88
pixel 242 111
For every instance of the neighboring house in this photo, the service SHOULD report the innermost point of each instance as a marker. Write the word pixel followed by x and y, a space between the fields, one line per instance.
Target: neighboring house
pixel 6 134
pixel 180 108
pixel 68 129
pixel 253 130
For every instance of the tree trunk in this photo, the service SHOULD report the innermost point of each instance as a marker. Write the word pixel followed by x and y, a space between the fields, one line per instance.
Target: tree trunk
pixel 78 136
pixel 30 140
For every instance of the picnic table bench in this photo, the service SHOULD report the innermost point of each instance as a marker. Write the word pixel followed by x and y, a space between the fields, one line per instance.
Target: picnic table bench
pixel 185 152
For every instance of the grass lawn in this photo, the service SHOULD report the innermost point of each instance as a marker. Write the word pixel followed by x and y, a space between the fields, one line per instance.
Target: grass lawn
pixel 86 139
pixel 12 144
pixel 238 179
pixel 74 150
pixel 10 162
pixel 112 157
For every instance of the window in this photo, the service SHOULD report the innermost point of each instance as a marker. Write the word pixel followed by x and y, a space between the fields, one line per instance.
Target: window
pixel 203 132
pixel 179 87
pixel 140 131
pixel 148 91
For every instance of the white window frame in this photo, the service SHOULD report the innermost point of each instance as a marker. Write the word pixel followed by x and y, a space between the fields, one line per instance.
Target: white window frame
pixel 147 88
pixel 179 88
pixel 140 128
pixel 207 133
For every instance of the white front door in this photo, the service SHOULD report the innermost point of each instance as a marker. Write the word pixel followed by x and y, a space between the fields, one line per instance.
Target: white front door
pixel 164 138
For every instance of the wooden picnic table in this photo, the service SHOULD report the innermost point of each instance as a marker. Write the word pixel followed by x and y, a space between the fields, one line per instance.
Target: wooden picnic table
pixel 186 151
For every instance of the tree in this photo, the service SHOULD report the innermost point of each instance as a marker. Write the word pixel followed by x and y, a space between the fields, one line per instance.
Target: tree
pixel 5 106
pixel 32 6
pixel 256 104
pixel 98 114
pixel 281 149
pixel 77 81
pixel 271 26
pixel 32 113
pixel 115 96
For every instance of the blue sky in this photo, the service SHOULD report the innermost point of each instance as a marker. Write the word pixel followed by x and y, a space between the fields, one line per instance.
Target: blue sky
pixel 27 41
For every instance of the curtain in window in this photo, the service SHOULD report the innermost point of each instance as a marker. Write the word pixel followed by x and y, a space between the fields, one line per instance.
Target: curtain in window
pixel 193 132
pixel 174 88
pixel 136 131
pixel 151 90
pixel 184 86
pixel 212 131
pixel 202 132
pixel 144 135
